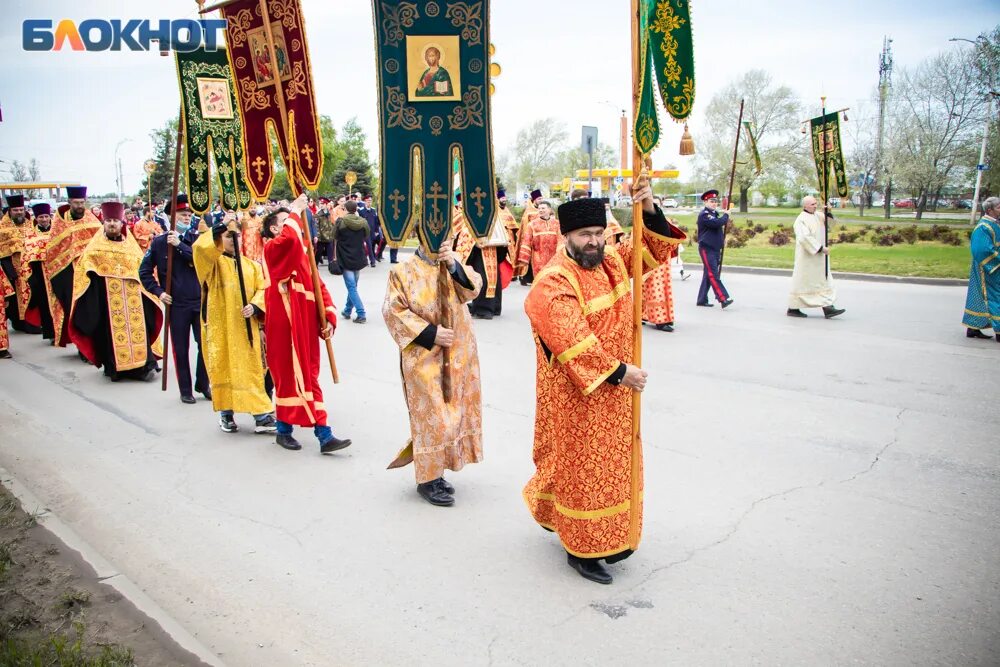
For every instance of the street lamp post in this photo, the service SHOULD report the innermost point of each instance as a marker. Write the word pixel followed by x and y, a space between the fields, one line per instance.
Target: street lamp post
pixel 118 170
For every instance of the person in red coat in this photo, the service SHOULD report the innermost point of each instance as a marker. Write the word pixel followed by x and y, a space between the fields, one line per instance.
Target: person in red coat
pixel 293 330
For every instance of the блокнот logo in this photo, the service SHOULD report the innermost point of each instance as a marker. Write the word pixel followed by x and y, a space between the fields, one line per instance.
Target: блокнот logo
pixel 184 35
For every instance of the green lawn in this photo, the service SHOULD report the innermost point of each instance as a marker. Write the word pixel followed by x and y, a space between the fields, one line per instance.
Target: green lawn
pixel 932 259
pixel 924 258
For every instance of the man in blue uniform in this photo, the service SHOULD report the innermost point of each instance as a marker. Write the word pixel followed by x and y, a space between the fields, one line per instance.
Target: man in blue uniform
pixel 184 297
pixel 368 212
pixel 711 241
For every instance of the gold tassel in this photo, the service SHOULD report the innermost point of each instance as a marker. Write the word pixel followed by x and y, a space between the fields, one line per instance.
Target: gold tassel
pixel 687 142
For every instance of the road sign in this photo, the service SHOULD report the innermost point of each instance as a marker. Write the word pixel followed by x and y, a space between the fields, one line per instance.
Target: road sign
pixel 589 139
pixel 149 166
pixel 350 178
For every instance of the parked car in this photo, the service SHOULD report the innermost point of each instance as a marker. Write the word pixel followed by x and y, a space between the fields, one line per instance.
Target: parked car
pixel 669 203
pixel 964 203
pixel 903 203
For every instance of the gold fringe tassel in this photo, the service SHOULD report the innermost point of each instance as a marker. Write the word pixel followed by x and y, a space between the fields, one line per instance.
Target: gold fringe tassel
pixel 687 142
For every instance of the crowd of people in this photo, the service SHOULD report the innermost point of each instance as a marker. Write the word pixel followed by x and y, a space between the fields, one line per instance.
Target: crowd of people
pixel 112 280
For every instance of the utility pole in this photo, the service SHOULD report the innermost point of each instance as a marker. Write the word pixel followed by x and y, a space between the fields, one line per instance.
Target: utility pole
pixel 884 83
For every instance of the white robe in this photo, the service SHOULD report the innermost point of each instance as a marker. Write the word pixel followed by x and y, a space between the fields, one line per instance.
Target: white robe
pixel 812 287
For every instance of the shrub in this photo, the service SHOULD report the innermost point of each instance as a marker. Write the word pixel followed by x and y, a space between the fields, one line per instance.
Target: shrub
pixel 909 234
pixel 882 240
pixel 925 234
pixel 779 238
pixel 950 238
pixel 734 241
pixel 759 228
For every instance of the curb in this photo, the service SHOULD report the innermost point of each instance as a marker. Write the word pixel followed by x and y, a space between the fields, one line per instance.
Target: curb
pixel 867 277
pixel 106 573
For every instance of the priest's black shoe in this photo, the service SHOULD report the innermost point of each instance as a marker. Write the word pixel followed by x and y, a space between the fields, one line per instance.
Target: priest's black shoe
pixel 207 393
pixel 665 327
pixel 288 442
pixel 333 444
pixel 449 489
pixel 589 568
pixel 189 400
pixel 727 303
pixel 435 494
pixel 4 354
pixel 795 312
pixel 832 311
pixel 706 305
pixel 975 333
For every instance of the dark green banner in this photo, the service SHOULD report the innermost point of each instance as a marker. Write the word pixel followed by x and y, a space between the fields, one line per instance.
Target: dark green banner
pixel 826 148
pixel 754 152
pixel 667 53
pixel 433 64
pixel 211 119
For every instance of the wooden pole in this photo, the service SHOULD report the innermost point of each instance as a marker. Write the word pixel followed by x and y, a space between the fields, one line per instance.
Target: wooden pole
pixel 824 187
pixel 638 168
pixel 445 321
pixel 293 183
pixel 732 179
pixel 170 248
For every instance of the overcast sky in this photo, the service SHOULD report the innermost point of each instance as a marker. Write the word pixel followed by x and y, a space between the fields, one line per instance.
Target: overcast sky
pixel 564 59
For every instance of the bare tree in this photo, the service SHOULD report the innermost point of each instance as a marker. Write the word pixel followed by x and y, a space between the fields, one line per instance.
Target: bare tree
pixel 18 171
pixel 862 156
pixel 535 152
pixel 939 113
pixel 773 112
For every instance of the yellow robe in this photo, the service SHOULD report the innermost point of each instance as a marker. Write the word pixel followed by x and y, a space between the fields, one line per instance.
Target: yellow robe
pixel 235 369
pixel 588 481
pixel 443 436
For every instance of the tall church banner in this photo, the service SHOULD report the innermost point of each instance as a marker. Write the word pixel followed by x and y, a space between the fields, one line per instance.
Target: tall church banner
pixel 826 146
pixel 270 61
pixel 433 64
pixel 212 131
pixel 666 50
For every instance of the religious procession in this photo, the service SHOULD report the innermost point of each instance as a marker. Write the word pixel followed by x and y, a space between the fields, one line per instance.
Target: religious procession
pixel 235 304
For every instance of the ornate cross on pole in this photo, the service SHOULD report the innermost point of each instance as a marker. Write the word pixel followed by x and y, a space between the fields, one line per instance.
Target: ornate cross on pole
pixel 396 198
pixel 478 195
pixel 258 164
pixel 307 152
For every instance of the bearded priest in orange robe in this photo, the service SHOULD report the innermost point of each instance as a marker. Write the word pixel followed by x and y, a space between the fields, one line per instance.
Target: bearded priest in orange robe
pixel 15 230
pixel 580 309
pixel 73 228
pixel 113 320
pixel 293 329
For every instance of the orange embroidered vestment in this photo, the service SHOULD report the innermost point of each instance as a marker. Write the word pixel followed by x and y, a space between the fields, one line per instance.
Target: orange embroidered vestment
pixel 443 436
pixel 583 487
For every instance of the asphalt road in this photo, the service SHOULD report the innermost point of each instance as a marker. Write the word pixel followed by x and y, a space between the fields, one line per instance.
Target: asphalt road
pixel 817 492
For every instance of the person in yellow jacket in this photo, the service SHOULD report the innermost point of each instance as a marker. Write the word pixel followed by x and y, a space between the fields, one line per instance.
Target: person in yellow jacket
pixel 233 350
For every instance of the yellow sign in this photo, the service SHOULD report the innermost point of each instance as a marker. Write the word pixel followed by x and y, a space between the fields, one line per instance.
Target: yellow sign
pixel 149 166
pixel 350 178
pixel 627 173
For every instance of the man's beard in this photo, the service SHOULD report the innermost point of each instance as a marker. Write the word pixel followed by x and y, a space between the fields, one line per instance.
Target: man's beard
pixel 76 214
pixel 588 259
pixel 503 203
pixel 18 219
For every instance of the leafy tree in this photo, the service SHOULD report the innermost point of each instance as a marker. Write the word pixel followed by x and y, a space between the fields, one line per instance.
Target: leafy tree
pixel 333 153
pixel 774 112
pixel 164 144
pixel 939 117
pixel 534 158
pixel 355 158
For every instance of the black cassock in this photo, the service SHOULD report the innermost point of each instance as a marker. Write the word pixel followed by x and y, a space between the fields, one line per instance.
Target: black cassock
pixel 90 318
pixel 62 290
pixel 483 305
pixel 40 300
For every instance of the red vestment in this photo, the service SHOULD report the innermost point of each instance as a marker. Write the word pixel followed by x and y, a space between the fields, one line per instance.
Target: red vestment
pixel 292 330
